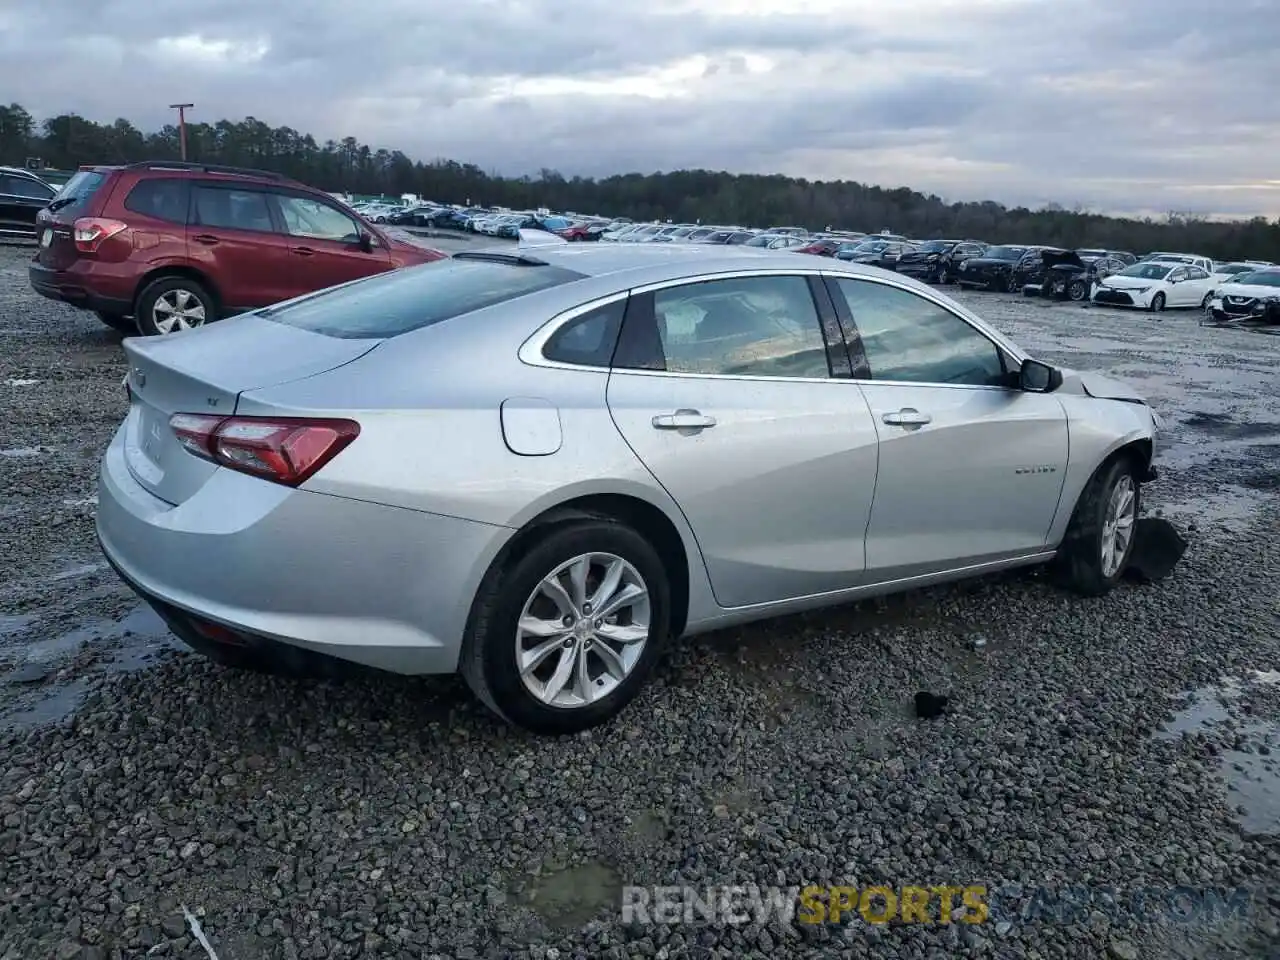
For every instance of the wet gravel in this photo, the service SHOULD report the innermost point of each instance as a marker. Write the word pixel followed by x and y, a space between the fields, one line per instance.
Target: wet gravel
pixel 394 818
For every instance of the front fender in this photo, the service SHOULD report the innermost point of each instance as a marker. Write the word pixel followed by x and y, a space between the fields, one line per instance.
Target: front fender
pixel 1098 429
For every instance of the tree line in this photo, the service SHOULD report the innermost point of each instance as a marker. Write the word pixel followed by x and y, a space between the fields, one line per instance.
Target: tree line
pixel 706 196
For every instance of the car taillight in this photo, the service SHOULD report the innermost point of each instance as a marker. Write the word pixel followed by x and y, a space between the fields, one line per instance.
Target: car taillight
pixel 285 450
pixel 91 231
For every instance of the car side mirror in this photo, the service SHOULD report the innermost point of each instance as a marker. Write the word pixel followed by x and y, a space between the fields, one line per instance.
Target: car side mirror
pixel 1038 377
pixel 365 242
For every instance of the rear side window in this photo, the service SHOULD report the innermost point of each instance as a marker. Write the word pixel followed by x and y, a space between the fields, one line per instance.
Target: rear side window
pixel 588 340
pixel 161 199
pixel 397 302
pixel 232 209
pixel 77 191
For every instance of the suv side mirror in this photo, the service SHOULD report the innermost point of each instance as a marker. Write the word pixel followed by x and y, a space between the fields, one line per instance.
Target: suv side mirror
pixel 1038 377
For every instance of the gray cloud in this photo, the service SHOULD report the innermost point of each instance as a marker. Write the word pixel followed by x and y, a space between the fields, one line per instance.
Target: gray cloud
pixel 1133 106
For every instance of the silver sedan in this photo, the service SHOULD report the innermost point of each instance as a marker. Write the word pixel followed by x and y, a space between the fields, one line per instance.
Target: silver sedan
pixel 535 465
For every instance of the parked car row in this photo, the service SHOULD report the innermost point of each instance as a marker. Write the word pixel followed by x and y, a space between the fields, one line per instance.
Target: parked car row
pixel 22 196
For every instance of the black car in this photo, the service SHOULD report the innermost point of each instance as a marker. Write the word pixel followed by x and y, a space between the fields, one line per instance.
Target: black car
pixel 994 269
pixel 935 261
pixel 876 253
pixel 1071 274
pixel 22 196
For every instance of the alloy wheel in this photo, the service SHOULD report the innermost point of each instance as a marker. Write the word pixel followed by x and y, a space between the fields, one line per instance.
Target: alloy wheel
pixel 177 310
pixel 582 630
pixel 1117 525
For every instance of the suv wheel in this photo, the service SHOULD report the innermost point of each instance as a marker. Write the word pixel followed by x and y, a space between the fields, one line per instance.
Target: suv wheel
pixel 172 304
pixel 117 321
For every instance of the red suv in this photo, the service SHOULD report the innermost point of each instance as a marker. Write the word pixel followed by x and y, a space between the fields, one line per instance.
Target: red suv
pixel 178 245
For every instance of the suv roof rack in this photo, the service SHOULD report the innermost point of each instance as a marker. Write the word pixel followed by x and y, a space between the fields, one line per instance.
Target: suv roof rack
pixel 206 168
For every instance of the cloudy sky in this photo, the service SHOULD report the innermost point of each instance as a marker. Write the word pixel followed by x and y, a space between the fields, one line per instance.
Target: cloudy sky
pixel 1116 105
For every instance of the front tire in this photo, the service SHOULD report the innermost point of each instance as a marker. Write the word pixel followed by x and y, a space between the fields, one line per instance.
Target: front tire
pixel 563 636
pixel 1157 303
pixel 171 304
pixel 1078 290
pixel 1100 537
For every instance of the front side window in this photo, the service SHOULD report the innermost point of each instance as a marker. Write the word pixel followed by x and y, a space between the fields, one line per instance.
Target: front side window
pixel 232 209
pixel 908 338
pixel 743 326
pixel 304 217
pixel 588 340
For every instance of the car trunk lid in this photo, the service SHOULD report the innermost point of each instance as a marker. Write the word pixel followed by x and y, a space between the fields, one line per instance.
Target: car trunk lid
pixel 204 371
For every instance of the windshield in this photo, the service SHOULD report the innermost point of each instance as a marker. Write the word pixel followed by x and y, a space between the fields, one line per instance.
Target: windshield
pixel 1151 270
pixel 871 246
pixel 1260 278
pixel 761 241
pixel 396 302
pixel 82 185
pixel 936 246
pixel 1005 253
pixel 1091 254
pixel 1232 268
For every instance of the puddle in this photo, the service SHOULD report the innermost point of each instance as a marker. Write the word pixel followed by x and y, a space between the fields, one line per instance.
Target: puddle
pixel 34 692
pixel 1221 425
pixel 1250 760
pixel 1233 508
pixel 572 897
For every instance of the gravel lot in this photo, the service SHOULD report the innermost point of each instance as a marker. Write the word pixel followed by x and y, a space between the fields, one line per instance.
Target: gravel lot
pixel 1126 742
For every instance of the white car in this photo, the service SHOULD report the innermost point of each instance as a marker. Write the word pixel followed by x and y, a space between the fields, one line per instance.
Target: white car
pixel 1241 297
pixel 1156 285
pixel 1204 263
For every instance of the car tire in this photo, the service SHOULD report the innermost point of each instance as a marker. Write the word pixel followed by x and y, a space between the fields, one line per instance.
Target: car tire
pixel 510 595
pixel 174 293
pixel 1157 303
pixel 118 322
pixel 1112 497
pixel 1208 298
pixel 1078 290
pixel 1011 284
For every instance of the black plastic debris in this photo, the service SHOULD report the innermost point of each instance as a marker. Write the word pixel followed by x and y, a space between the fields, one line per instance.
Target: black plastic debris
pixel 1157 548
pixel 930 705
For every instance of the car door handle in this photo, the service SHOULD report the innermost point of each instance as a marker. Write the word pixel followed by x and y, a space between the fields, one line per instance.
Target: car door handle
pixel 207 239
pixel 304 251
pixel 907 417
pixel 683 420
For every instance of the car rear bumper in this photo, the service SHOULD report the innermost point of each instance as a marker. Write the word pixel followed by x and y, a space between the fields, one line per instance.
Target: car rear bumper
pixel 381 586
pixel 65 288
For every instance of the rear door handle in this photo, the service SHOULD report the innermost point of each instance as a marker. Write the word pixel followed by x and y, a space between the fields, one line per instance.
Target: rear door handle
pixel 683 420
pixel 907 417
pixel 206 239
pixel 303 251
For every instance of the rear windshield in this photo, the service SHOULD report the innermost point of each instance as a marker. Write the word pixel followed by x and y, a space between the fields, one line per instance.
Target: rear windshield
pixel 82 185
pixel 393 303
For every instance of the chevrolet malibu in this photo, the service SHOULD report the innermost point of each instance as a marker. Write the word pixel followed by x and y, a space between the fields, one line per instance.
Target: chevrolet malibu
pixel 534 466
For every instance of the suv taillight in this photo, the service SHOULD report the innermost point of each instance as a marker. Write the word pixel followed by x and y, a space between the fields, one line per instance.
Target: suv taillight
pixel 91 231
pixel 282 450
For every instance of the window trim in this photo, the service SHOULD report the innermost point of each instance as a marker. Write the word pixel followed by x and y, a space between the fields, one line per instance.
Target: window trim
pixel 579 314
pixel 530 351
pixel 854 340
pixel 17 176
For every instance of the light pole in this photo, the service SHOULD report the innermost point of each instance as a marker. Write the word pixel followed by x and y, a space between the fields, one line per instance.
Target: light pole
pixel 182 109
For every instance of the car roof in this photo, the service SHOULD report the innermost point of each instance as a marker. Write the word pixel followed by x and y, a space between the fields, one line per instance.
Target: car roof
pixel 660 262
pixel 20 170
